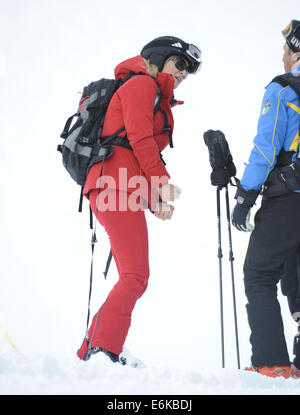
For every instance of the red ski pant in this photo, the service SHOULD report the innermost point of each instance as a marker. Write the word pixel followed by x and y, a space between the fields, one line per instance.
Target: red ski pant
pixel 128 235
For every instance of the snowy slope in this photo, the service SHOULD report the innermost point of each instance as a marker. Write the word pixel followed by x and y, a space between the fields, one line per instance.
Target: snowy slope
pixel 46 375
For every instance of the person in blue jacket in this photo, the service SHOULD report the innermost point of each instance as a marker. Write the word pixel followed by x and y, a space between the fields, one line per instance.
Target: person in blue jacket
pixel 276 235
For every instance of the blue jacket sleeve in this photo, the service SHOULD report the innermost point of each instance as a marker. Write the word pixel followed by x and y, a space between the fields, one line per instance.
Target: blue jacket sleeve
pixel 271 131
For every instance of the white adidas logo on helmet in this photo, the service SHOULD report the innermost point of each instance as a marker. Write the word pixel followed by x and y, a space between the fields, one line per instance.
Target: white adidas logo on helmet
pixel 177 45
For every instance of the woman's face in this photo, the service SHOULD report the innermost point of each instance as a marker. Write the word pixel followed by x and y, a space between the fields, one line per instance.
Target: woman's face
pixel 174 66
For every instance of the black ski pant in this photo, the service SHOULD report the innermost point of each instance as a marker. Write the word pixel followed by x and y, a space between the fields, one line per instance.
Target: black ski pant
pixel 290 282
pixel 290 287
pixel 275 238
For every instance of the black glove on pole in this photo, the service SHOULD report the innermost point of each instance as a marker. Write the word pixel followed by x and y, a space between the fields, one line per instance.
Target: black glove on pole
pixel 245 199
pixel 220 158
pixel 223 169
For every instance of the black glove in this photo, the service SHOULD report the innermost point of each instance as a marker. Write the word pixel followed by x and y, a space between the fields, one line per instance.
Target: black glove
pixel 240 217
pixel 220 158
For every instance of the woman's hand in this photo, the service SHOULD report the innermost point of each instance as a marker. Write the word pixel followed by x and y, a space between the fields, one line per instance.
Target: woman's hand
pixel 163 210
pixel 169 192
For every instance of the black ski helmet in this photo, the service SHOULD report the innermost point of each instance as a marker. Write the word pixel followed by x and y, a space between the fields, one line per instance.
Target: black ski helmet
pixel 292 35
pixel 161 48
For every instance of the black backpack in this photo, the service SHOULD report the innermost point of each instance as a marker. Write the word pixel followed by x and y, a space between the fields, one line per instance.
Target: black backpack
pixel 82 146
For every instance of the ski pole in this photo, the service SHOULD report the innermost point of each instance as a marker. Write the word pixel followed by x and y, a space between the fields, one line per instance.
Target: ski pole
pixel 8 338
pixel 223 169
pixel 220 255
pixel 231 259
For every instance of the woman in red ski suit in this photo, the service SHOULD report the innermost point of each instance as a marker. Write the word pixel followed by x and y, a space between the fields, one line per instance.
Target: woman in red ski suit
pixel 164 62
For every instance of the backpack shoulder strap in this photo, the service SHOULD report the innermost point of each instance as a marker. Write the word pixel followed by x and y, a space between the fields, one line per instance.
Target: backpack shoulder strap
pixel 289 79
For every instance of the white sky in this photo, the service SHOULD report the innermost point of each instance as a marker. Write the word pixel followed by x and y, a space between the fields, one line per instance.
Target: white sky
pixel 49 50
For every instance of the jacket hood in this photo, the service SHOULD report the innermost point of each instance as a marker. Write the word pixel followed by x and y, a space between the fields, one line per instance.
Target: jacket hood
pixel 136 65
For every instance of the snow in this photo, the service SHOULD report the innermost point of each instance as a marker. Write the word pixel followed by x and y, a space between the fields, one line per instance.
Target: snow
pixel 50 50
pixel 47 375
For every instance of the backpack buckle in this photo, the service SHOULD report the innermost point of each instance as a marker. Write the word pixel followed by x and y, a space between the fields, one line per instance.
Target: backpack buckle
pixel 85 141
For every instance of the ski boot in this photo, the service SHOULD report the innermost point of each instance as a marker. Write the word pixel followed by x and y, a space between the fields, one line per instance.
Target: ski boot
pixel 296 350
pixel 126 358
pixel 295 372
pixel 113 357
pixel 273 372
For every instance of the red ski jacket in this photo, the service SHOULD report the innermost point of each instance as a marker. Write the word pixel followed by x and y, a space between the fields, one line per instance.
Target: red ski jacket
pixel 132 107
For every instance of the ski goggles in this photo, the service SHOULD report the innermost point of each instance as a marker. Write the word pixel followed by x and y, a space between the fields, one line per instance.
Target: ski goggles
pixel 192 62
pixel 195 53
